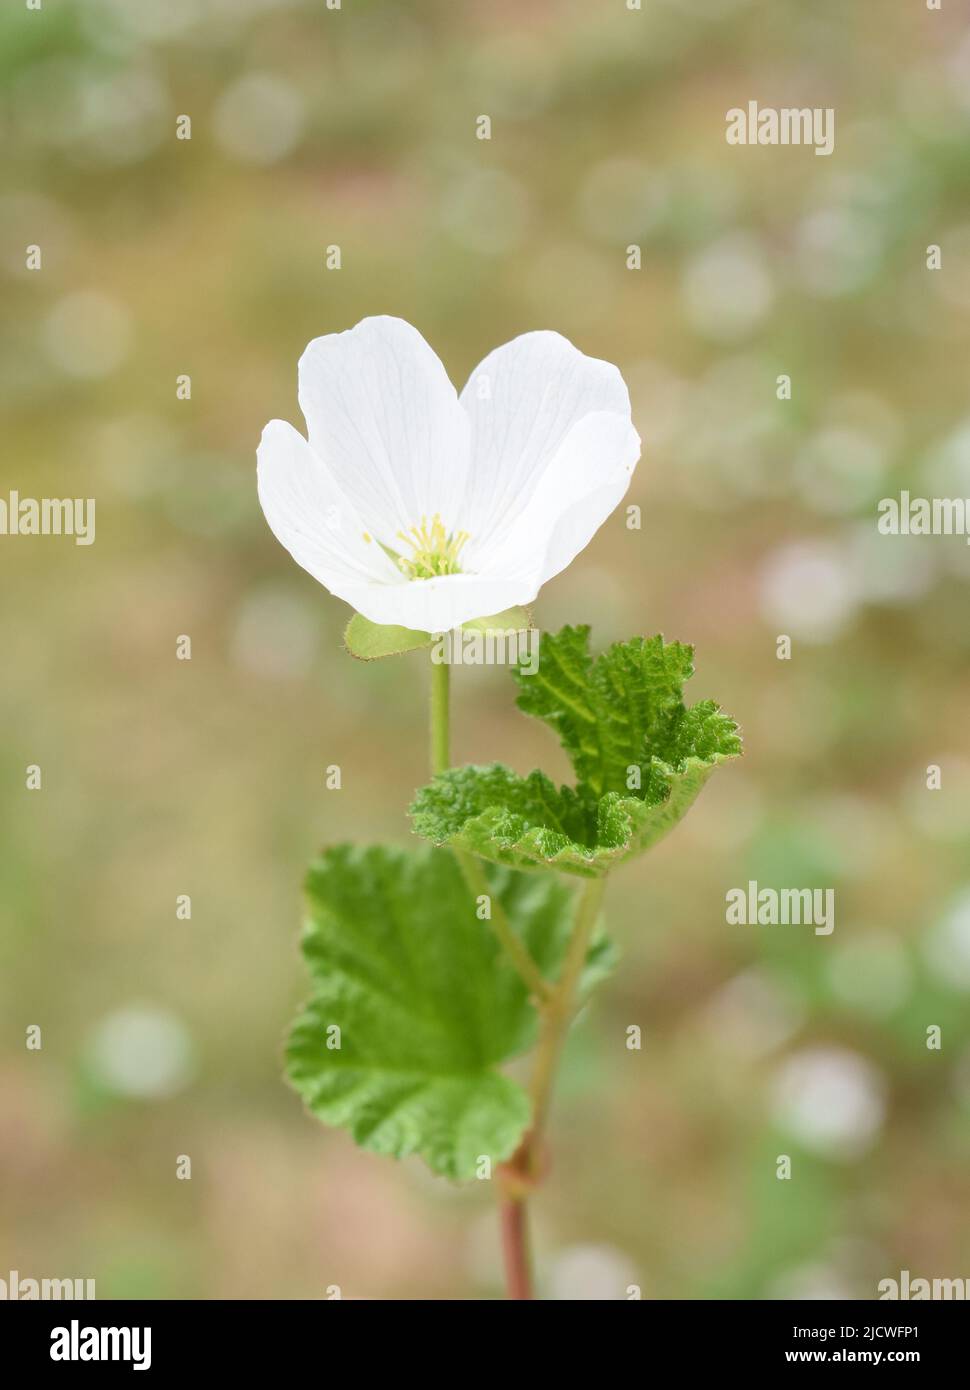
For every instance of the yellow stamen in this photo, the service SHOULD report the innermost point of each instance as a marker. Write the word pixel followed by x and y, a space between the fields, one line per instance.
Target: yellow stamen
pixel 435 550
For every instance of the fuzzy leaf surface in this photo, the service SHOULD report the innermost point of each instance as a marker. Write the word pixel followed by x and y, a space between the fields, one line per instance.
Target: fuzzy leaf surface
pixel 640 757
pixel 426 1003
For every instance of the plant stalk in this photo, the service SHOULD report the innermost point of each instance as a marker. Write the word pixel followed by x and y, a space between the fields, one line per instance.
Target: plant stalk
pixel 516 1247
pixel 557 1015
pixel 440 717
pixel 556 1005
pixel 531 975
pixel 469 864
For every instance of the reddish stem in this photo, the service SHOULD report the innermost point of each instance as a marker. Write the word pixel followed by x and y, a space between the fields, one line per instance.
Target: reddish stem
pixel 515 1247
pixel 517 1180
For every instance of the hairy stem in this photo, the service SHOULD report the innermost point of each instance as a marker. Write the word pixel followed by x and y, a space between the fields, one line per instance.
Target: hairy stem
pixel 524 1170
pixel 556 1004
pixel 511 1201
pixel 536 984
pixel 440 717
pixel 516 1250
pixel 470 865
pixel 557 1015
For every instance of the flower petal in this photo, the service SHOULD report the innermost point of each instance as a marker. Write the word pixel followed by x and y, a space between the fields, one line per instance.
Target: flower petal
pixel 586 479
pixel 310 516
pixel 437 605
pixel 523 400
pixel 384 417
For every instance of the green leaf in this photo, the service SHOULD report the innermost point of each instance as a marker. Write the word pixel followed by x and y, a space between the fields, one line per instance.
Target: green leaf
pixel 426 1003
pixel 640 756
pixel 369 641
pixel 612 713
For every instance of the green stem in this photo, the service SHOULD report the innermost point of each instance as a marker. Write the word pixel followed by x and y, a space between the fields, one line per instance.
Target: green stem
pixel 524 1171
pixel 556 1004
pixel 557 1015
pixel 440 717
pixel 470 865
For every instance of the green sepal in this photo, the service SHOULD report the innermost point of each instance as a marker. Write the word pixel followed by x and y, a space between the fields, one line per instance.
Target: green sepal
pixel 369 641
pixel 509 620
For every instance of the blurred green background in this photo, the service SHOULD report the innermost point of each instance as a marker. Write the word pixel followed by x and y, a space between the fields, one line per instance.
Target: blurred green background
pixel 356 128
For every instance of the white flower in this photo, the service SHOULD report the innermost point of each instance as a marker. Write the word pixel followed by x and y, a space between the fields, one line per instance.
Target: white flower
pixel 425 509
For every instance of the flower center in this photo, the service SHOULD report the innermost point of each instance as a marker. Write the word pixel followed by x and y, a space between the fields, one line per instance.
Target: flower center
pixel 434 551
